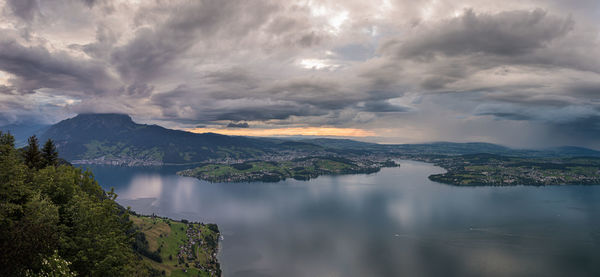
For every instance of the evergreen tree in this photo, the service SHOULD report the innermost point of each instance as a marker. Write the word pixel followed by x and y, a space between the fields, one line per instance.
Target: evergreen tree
pixel 7 139
pixel 49 154
pixel 32 155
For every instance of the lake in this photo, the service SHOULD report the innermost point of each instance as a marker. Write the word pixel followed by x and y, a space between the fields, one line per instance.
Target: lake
pixel 392 223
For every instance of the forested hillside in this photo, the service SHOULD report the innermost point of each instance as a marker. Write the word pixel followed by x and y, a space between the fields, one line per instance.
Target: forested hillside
pixel 57 221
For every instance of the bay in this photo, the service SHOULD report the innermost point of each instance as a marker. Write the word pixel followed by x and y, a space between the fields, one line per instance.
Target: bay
pixel 392 223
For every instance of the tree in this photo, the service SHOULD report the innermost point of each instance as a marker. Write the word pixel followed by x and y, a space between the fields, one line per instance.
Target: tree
pixel 49 154
pixel 7 139
pixel 32 155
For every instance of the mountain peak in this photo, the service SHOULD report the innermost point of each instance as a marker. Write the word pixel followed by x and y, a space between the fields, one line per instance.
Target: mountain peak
pixel 88 126
pixel 104 120
pixel 103 116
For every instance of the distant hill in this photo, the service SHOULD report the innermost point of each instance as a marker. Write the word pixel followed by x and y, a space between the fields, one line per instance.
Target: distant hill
pixel 572 151
pixel 344 144
pixel 453 148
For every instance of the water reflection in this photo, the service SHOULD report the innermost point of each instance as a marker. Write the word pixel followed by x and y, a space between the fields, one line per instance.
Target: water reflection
pixel 392 223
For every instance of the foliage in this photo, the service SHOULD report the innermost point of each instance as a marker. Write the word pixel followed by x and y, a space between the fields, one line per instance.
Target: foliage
pixel 57 218
pixel 32 154
pixel 53 266
pixel 269 171
pixel 49 154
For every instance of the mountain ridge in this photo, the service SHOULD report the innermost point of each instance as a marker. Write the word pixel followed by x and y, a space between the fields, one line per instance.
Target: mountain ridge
pixel 116 136
pixel 117 139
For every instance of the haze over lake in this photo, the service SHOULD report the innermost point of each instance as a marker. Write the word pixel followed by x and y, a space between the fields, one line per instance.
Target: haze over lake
pixel 392 223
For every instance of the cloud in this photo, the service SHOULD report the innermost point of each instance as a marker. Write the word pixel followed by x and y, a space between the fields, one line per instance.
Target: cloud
pixel 238 125
pixel 175 29
pixel 441 70
pixel 384 107
pixel 507 33
pixel 549 114
pixel 35 67
pixel 25 9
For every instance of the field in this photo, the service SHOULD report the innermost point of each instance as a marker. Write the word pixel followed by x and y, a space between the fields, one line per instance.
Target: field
pixel 178 248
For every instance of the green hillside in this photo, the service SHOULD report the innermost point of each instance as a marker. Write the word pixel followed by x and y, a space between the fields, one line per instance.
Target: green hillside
pixel 57 221
pixel 178 248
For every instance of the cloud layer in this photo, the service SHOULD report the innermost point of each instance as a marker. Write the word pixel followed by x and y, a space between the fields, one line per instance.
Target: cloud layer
pixel 524 73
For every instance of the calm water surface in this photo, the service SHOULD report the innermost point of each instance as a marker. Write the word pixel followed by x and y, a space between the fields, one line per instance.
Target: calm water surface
pixel 393 223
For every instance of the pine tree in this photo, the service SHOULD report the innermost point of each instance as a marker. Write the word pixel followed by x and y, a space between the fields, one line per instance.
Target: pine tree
pixel 7 139
pixel 32 155
pixel 49 154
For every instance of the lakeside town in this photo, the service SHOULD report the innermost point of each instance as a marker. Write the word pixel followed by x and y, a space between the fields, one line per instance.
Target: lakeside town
pixel 494 170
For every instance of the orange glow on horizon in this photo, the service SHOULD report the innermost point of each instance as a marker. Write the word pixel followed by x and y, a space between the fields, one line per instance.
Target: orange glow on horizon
pixel 291 131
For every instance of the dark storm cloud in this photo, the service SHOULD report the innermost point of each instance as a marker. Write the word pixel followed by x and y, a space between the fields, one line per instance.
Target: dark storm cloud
pixel 320 93
pixel 276 110
pixel 238 77
pixel 4 89
pixel 185 103
pixel 102 47
pixel 154 48
pixel 522 65
pixel 454 49
pixel 137 90
pixel 549 114
pixel 238 125
pixel 589 91
pixel 90 3
pixel 278 99
pixel 293 31
pixel 422 66
pixel 25 9
pixel 383 107
pixel 36 67
pixel 506 34
pixel 581 132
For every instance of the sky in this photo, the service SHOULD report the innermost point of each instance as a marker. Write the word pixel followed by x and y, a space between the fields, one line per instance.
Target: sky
pixel 519 73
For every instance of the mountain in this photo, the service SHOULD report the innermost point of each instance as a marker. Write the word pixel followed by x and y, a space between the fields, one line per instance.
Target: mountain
pixel 344 144
pixel 115 138
pixel 442 148
pixel 573 151
pixel 23 131
pixel 452 148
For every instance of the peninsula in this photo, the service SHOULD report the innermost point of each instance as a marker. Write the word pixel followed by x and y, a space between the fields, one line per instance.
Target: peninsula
pixel 273 171
pixel 496 170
